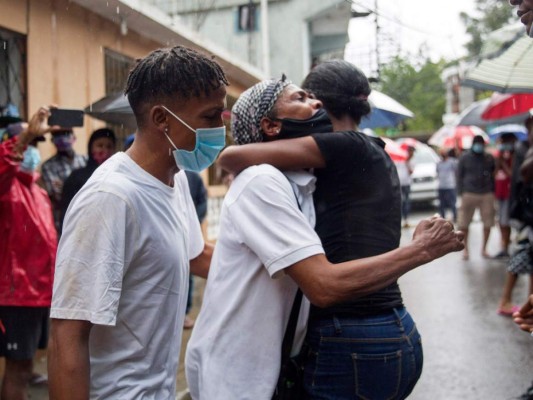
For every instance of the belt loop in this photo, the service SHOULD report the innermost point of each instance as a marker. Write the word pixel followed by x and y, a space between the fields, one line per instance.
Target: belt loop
pixel 398 320
pixel 337 325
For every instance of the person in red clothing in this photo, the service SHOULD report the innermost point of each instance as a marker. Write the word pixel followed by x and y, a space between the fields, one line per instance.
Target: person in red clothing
pixel 27 254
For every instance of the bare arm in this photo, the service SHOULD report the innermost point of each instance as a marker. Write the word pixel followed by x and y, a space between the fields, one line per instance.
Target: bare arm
pixel 326 284
pixel 200 264
pixel 283 154
pixel 68 360
pixel 37 126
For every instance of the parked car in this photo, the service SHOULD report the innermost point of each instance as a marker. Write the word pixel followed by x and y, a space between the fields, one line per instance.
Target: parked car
pixel 424 182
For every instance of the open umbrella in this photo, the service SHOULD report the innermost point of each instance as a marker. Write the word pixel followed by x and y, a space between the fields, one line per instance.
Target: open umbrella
pixel 519 131
pixel 501 39
pixel 459 137
pixel 114 109
pixel 394 150
pixel 472 114
pixel 511 72
pixel 405 143
pixel 386 112
pixel 503 106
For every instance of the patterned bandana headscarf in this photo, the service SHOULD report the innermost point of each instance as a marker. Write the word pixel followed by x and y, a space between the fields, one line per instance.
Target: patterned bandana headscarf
pixel 252 106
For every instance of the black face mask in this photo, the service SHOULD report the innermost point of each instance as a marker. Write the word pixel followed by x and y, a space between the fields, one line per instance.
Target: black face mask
pixel 295 128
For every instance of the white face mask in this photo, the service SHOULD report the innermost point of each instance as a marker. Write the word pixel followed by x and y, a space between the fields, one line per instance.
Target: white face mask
pixel 209 142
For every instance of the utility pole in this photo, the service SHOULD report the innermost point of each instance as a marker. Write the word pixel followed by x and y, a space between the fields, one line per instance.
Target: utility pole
pixel 250 26
pixel 265 38
pixel 378 57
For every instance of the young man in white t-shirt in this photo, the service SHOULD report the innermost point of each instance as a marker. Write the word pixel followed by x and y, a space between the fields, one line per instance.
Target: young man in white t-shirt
pixel 131 234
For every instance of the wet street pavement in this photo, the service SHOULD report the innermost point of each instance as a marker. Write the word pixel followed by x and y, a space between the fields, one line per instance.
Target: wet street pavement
pixel 470 352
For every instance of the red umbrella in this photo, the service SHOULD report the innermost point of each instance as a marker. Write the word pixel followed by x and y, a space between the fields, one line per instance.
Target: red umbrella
pixel 405 143
pixel 394 150
pixel 507 105
pixel 456 137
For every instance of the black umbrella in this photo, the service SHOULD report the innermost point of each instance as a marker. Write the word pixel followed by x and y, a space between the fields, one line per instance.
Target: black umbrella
pixel 114 109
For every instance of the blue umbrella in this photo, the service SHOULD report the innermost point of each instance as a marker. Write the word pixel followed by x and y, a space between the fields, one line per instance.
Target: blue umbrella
pixel 386 112
pixel 519 131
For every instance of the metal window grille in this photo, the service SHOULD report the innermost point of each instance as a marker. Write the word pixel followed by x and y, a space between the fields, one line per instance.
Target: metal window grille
pixel 117 68
pixel 13 70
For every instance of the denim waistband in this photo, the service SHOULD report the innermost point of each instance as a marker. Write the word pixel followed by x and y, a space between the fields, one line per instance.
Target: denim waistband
pixel 385 317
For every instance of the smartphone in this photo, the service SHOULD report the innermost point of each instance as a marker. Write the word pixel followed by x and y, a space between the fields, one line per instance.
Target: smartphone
pixel 66 118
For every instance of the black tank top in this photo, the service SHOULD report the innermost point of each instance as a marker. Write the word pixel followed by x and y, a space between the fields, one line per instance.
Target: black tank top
pixel 357 202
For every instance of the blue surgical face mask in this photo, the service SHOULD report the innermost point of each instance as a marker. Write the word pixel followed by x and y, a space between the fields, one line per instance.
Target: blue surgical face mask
pixel 209 142
pixel 478 148
pixel 31 160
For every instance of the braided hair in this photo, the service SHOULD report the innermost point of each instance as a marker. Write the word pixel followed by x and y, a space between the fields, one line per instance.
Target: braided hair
pixel 169 73
pixel 342 87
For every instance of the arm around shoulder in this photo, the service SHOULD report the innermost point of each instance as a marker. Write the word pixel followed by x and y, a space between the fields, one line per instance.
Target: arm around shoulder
pixel 68 359
pixel 283 154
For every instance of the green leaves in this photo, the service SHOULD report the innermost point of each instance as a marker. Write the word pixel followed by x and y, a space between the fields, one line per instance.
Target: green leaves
pixel 420 89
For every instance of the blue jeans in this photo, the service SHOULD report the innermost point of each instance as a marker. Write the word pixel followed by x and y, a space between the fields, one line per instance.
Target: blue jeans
pixel 376 358
pixel 447 200
pixel 406 202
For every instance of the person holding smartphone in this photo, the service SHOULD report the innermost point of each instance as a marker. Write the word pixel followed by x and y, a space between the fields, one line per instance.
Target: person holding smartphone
pixel 27 254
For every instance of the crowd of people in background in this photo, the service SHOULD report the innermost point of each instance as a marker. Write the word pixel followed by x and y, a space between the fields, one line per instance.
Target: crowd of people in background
pixel 90 233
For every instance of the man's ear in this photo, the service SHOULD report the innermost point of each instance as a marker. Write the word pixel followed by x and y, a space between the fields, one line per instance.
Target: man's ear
pixel 270 127
pixel 159 117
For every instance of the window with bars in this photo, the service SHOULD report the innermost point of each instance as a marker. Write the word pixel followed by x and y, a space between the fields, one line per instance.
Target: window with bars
pixel 117 68
pixel 13 71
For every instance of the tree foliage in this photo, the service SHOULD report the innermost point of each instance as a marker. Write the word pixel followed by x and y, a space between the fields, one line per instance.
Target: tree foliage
pixel 420 89
pixel 493 14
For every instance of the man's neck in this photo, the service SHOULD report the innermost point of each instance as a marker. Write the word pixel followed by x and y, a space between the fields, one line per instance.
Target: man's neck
pixel 345 123
pixel 152 160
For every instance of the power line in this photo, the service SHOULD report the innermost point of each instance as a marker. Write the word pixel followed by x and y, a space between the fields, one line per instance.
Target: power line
pixel 393 19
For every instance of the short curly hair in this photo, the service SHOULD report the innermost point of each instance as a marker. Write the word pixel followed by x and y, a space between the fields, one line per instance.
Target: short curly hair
pixel 169 73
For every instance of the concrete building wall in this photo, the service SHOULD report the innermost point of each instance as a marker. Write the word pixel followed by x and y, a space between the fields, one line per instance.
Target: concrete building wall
pixel 290 31
pixel 65 55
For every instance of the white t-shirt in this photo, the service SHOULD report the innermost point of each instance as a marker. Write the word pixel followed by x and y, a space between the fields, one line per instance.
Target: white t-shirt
pixel 404 175
pixel 446 173
pixel 235 348
pixel 123 264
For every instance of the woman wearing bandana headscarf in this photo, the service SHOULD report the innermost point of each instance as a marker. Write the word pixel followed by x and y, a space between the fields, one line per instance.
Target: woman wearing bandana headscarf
pixel 101 146
pixel 265 250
